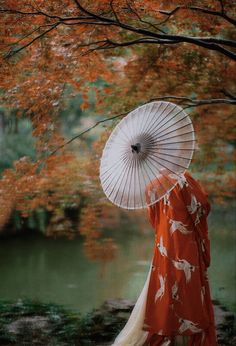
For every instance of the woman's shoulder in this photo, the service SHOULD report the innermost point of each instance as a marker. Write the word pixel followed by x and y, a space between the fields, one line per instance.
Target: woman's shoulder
pixel 195 183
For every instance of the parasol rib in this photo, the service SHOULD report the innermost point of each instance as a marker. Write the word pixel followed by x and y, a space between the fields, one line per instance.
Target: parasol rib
pixel 174 130
pixel 156 133
pixel 157 128
pixel 145 128
pixel 155 123
pixel 107 186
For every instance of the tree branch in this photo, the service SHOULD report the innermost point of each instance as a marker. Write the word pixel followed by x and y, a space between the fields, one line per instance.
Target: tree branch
pixel 142 20
pixel 44 14
pixel 85 131
pixel 114 12
pixel 194 102
pixel 221 6
pixel 93 15
pixel 228 94
pixel 30 33
pixel 109 44
pixel 12 52
pixel 221 14
pixel 90 18
pixel 184 101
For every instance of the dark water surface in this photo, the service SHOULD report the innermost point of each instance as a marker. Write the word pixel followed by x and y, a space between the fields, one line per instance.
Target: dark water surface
pixel 58 271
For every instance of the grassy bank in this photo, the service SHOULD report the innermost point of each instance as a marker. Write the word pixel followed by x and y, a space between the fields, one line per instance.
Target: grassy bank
pixel 28 323
pixel 33 323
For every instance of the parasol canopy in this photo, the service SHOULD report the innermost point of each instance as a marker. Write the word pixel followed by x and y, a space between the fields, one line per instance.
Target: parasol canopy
pixel 146 155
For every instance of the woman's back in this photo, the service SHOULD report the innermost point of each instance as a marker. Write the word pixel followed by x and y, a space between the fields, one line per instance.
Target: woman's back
pixel 178 297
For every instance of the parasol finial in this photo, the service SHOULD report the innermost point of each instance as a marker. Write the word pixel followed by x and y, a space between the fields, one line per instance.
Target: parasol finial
pixel 136 148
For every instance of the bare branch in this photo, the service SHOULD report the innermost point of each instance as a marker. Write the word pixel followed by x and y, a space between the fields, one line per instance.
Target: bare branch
pixel 184 101
pixel 37 13
pixel 223 42
pixel 221 6
pixel 109 44
pixel 178 39
pixel 113 44
pixel 194 102
pixel 114 12
pixel 199 9
pixel 93 15
pixel 90 18
pixel 229 94
pixel 206 42
pixel 30 33
pixel 209 43
pixel 44 14
pixel 142 20
pixel 12 52
pixel 86 130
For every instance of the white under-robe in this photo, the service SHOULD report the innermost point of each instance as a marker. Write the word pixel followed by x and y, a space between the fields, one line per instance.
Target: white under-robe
pixel 132 334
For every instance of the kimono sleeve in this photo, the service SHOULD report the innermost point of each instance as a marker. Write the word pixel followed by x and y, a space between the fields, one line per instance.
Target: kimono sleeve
pixel 152 210
pixel 152 215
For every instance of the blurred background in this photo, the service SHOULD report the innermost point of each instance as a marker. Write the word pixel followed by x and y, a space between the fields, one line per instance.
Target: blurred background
pixel 68 76
pixel 70 249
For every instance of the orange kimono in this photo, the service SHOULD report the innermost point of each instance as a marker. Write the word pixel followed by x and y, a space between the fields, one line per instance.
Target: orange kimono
pixel 178 297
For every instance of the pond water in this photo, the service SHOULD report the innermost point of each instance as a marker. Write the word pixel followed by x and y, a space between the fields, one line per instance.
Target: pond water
pixel 58 271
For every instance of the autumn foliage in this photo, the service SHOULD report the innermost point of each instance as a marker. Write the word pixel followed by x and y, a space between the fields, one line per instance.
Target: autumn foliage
pixel 141 51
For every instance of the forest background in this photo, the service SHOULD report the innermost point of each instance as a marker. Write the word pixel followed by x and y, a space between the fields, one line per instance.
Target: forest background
pixel 70 70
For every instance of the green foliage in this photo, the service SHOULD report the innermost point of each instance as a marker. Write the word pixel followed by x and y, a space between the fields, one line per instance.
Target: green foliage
pixel 73 115
pixel 64 327
pixel 37 221
pixel 16 143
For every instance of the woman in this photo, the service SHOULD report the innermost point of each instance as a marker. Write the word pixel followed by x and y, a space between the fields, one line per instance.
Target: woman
pixel 175 305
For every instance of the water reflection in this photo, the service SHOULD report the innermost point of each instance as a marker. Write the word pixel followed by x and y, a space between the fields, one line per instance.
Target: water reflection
pixel 57 270
pixel 222 272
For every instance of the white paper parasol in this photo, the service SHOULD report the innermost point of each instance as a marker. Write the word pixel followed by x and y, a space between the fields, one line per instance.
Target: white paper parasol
pixel 146 154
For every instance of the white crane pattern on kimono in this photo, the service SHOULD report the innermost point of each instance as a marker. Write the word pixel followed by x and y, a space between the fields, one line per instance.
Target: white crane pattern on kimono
pixel 200 213
pixel 203 292
pixel 166 199
pixel 182 181
pixel 160 292
pixel 166 342
pixel 188 268
pixel 174 291
pixel 194 206
pixel 162 248
pixel 187 324
pixel 166 202
pixel 178 226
